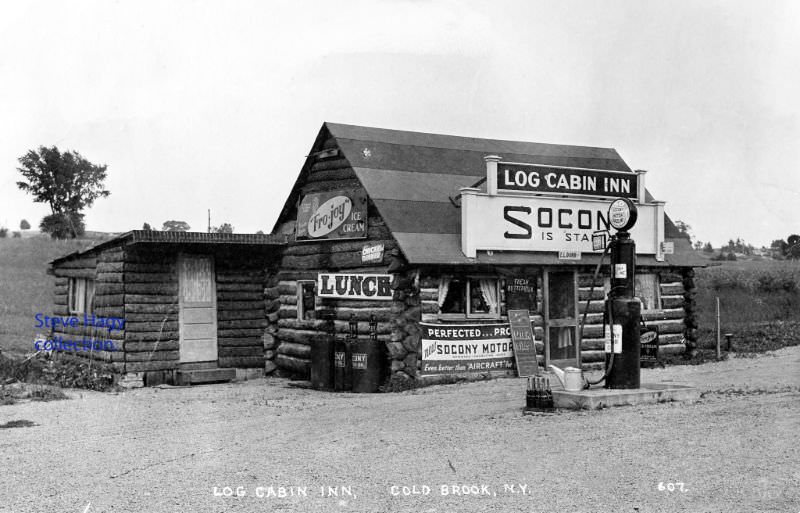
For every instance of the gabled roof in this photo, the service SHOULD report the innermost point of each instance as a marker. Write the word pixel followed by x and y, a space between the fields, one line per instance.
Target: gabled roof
pixel 411 177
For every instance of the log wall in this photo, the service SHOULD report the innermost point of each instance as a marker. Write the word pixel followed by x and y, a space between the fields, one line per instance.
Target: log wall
pixel 151 308
pixel 94 342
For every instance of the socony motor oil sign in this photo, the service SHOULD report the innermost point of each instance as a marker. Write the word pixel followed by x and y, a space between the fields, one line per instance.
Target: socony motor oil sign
pixel 333 215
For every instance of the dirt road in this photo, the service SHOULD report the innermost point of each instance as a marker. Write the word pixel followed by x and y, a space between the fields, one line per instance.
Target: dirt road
pixel 184 449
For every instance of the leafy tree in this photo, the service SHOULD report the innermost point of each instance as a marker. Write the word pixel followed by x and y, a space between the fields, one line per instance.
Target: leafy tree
pixel 731 256
pixel 224 228
pixel 779 248
pixel 175 226
pixel 67 182
pixel 260 232
pixel 3 233
pixel 24 225
pixel 146 226
pixel 63 225
pixel 707 248
pixel 685 229
pixel 698 245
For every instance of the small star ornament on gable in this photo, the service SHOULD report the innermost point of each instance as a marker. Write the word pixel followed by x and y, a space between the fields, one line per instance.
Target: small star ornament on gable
pixel 367 153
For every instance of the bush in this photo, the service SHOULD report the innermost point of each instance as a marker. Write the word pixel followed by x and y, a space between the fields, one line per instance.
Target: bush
pixel 3 233
pixel 63 225
pixel 16 235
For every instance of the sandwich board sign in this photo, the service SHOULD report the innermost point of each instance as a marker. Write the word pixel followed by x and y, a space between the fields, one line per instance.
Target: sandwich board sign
pixel 524 343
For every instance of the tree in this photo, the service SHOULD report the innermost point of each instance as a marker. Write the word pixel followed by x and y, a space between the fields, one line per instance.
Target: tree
pixel 146 226
pixel 708 248
pixel 698 245
pixel 24 225
pixel 67 182
pixel 224 228
pixel 685 229
pixel 175 226
pixel 779 248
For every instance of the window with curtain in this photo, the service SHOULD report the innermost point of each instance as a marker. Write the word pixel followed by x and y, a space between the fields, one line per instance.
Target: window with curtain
pixel 469 297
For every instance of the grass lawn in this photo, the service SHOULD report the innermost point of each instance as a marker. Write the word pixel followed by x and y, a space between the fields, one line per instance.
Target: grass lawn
pixel 25 286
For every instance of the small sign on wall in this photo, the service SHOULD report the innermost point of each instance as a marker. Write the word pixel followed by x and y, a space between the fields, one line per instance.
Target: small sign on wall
pixel 668 248
pixel 354 286
pixel 569 254
pixel 521 293
pixel 372 253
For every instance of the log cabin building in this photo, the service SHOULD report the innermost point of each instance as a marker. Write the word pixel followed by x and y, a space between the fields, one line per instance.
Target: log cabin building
pixel 427 240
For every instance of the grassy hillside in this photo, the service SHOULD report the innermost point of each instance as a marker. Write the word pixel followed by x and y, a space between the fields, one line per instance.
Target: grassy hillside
pixel 25 286
pixel 759 303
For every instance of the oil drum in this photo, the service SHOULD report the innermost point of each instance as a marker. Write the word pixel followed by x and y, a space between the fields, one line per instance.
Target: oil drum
pixel 368 359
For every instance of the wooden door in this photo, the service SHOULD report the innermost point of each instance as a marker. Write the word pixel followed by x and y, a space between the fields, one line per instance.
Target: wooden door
pixel 198 309
pixel 561 334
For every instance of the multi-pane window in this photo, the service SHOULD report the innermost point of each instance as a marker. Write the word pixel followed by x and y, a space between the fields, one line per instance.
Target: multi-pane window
pixel 81 295
pixel 469 296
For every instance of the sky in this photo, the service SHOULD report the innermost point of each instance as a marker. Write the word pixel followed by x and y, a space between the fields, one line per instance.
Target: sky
pixel 197 105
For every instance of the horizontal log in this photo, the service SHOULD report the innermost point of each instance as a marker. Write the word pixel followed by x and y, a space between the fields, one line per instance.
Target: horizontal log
pixel 150 366
pixel 152 288
pixel 151 345
pixel 242 362
pixel 240 296
pixel 593 344
pixel 657 315
pixel 61 289
pixel 293 349
pixel 429 295
pixel 147 336
pixel 272 293
pixel 60 309
pixel 242 323
pixel 598 294
pixel 331 174
pixel 382 313
pixel 151 299
pixel 149 256
pixel 153 356
pixel 240 332
pixel 669 326
pixel 151 317
pixel 670 338
pixel 327 247
pixel 296 275
pixel 672 349
pixel 241 305
pixel 109 299
pixel 593 356
pixel 672 289
pixel 307 337
pixel 430 307
pixel 257 351
pixel 323 261
pixel 293 364
pixel 241 287
pixel 110 311
pixel 112 255
pixel 268 341
pixel 340 326
pixel 109 277
pixel 133 327
pixel 287 287
pixel 594 306
pixel 228 315
pixel 75 273
pixel 78 263
pixel 326 303
pixel 334 163
pixel 238 342
pixel 136 277
pixel 154 267
pixel 60 280
pixel 255 278
pixel 672 302
pixel 60 300
pixel 287 300
pixel 151 308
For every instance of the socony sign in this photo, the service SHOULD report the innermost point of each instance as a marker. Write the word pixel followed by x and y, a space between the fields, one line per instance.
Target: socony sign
pixel 329 216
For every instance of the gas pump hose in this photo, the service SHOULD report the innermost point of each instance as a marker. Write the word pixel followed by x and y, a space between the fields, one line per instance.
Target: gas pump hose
pixel 610 320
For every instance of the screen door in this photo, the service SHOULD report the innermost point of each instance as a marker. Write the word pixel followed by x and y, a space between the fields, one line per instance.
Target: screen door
pixel 561 338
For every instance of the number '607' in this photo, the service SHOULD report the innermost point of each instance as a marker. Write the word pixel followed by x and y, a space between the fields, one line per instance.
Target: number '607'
pixel 670 487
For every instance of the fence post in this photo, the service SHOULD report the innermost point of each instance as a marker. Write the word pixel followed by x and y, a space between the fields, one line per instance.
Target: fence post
pixel 719 350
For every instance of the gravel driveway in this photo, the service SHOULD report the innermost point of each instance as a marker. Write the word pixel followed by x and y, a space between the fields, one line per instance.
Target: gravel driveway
pixel 239 447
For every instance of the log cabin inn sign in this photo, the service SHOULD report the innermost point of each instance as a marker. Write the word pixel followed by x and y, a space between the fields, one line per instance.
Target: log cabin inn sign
pixel 411 248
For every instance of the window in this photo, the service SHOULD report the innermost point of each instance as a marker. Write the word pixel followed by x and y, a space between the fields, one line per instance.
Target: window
pixel 647 288
pixel 81 295
pixel 306 295
pixel 470 297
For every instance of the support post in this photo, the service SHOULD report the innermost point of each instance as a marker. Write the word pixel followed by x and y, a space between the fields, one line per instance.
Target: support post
pixel 719 350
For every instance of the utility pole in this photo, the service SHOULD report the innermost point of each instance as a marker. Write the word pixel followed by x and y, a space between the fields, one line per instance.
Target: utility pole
pixel 209 220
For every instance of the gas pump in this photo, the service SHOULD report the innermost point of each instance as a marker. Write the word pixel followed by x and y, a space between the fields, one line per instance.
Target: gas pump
pixel 622 309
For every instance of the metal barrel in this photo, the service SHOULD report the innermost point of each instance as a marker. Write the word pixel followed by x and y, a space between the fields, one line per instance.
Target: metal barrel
pixel 368 359
pixel 342 367
pixel 322 360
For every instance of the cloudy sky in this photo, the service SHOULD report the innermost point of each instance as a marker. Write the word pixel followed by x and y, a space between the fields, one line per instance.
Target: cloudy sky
pixel 200 104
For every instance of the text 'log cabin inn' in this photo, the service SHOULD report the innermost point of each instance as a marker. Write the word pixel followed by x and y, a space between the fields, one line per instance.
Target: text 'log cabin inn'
pixel 421 242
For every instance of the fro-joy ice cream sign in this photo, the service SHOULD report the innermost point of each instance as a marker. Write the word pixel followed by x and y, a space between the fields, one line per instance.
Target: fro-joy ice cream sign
pixel 332 215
